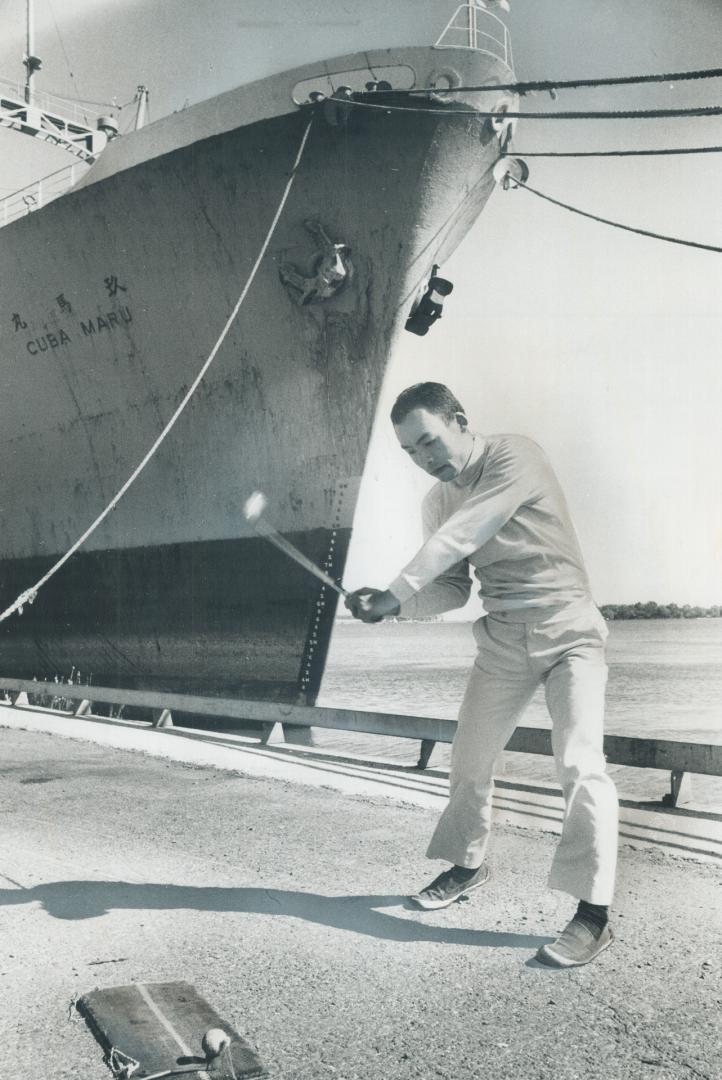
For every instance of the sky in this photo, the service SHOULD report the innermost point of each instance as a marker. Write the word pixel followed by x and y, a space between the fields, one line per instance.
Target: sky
pixel 601 345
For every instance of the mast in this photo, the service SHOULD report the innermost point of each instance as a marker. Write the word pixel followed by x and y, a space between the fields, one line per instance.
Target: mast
pixel 36 116
pixel 141 107
pixel 32 62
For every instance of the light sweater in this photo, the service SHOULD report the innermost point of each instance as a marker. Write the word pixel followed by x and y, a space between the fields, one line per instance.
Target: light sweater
pixel 504 515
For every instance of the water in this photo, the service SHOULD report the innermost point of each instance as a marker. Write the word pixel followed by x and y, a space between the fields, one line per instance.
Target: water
pixel 665 680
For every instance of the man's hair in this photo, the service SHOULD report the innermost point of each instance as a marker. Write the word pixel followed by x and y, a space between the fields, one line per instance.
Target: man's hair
pixel 432 396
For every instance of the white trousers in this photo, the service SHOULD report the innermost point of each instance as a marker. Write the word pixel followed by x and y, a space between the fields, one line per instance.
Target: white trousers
pixel 565 651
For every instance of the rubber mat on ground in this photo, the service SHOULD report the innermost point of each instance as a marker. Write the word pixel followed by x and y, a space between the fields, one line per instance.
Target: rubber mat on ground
pixel 158 1029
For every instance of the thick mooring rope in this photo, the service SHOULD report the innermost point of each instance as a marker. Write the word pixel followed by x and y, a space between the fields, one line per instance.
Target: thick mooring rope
pixel 572 84
pixel 28 596
pixel 566 114
pixel 617 224
pixel 660 151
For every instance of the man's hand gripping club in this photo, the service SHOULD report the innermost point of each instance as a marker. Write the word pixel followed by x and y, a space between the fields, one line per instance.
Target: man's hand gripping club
pixel 372 605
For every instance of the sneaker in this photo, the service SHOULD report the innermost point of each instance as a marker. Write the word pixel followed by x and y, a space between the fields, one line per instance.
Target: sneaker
pixel 576 945
pixel 449 886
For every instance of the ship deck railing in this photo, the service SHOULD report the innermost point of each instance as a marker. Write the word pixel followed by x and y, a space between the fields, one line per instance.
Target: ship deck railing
pixel 473 27
pixel 32 197
pixel 679 758
pixel 14 94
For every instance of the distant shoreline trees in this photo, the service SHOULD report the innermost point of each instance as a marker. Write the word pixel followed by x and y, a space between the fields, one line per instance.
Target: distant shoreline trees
pixel 650 610
pixel 653 610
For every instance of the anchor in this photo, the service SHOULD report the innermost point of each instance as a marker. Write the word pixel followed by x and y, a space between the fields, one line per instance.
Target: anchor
pixel 332 268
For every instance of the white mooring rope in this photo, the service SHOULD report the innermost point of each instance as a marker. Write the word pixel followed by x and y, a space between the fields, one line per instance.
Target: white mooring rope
pixel 28 596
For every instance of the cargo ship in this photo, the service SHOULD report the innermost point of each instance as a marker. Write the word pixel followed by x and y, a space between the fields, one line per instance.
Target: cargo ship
pixel 114 295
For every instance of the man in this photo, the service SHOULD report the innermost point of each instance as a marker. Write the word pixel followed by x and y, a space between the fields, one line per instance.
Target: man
pixel 497 506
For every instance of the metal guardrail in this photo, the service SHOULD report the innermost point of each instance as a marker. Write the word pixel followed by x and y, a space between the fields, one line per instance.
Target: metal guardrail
pixel 677 757
pixel 40 192
pixel 51 103
pixel 474 27
pixel 56 129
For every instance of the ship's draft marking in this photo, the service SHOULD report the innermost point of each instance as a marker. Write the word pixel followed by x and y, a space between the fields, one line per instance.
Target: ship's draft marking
pixel 308 665
pixel 332 268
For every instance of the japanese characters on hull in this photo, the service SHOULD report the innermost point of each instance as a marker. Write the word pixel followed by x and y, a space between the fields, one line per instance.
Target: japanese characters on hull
pixel 104 322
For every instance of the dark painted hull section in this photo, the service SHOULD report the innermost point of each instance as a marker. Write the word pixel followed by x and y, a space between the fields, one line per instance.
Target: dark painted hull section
pixel 224 616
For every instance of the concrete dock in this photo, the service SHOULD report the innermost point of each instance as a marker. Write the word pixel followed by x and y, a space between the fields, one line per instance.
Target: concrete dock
pixel 274 880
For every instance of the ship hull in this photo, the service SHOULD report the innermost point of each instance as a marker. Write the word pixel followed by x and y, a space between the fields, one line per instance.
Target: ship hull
pixel 120 292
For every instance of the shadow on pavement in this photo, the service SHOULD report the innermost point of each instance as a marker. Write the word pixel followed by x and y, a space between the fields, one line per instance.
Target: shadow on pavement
pixel 358 914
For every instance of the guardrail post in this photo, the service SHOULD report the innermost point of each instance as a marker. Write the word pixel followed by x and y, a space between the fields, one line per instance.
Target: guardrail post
pixel 298 734
pixel 162 718
pixel 681 789
pixel 20 698
pixel 84 707
pixel 425 751
pixel 271 732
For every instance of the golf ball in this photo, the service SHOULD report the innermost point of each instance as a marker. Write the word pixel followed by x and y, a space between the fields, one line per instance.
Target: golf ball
pixel 254 506
pixel 214 1042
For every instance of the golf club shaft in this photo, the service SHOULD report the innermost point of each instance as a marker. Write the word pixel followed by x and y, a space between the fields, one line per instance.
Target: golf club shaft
pixel 263 528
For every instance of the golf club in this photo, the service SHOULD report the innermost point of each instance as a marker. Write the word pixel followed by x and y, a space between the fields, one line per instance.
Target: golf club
pixel 253 510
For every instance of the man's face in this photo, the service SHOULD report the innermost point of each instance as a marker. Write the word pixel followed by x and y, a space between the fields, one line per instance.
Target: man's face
pixel 439 447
